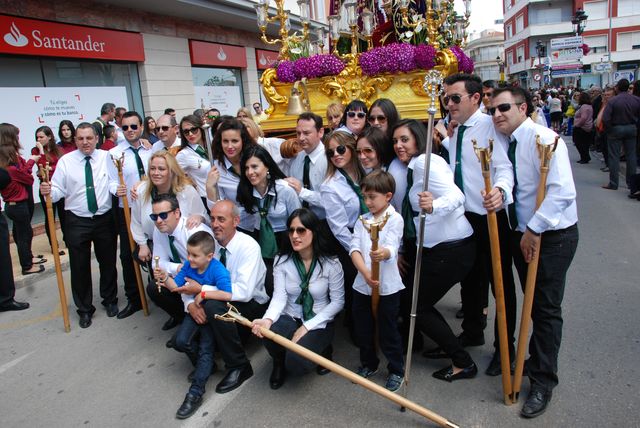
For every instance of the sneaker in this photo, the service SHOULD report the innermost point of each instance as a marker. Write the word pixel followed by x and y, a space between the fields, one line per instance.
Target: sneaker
pixel 394 382
pixel 366 372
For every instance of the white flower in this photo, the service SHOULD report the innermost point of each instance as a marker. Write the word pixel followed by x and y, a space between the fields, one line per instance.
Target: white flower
pixel 295 50
pixel 419 28
pixel 408 34
pixel 416 18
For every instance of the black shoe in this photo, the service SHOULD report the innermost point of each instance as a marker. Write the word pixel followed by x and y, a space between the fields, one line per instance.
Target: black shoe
pixel 495 369
pixel 29 272
pixel 234 378
pixel 460 314
pixel 328 354
pixel 85 320
pixel 129 310
pixel 536 403
pixel 112 310
pixel 170 323
pixel 170 343
pixel 467 341
pixel 278 374
pixel 189 406
pixel 12 305
pixel 435 353
pixel 447 373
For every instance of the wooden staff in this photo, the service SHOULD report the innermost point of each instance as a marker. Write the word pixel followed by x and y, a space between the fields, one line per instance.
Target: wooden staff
pixel 545 152
pixel 234 316
pixel 374 228
pixel 484 156
pixel 119 163
pixel 156 259
pixel 44 175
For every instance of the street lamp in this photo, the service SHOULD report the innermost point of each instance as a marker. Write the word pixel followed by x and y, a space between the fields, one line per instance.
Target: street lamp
pixel 541 50
pixel 579 21
pixel 501 66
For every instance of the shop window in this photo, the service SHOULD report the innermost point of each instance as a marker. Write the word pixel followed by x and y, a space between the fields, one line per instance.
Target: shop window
pixel 219 88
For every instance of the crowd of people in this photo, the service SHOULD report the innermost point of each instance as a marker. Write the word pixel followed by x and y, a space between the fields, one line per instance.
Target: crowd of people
pixel 278 228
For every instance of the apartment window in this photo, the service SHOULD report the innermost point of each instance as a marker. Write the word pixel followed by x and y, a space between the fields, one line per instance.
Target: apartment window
pixel 597 9
pixel 520 54
pixel 628 7
pixel 509 32
pixel 507 4
pixel 597 44
pixel 629 41
pixel 509 57
pixel 519 23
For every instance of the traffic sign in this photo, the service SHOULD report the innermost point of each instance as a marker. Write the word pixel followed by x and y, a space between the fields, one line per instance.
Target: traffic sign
pixel 626 74
pixel 537 77
pixel 602 67
pixel 567 42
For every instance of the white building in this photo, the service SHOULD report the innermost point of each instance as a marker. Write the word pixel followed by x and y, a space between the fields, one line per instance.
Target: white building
pixel 484 51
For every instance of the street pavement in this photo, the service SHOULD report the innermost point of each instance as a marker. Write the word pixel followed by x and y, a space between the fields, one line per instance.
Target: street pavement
pixel 119 372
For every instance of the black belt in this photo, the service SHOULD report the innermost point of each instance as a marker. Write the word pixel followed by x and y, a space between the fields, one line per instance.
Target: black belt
pixel 451 244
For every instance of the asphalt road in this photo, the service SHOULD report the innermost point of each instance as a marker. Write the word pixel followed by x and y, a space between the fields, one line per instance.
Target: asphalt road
pixel 119 373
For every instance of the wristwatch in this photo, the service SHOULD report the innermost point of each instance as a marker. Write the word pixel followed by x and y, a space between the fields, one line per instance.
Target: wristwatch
pixel 504 194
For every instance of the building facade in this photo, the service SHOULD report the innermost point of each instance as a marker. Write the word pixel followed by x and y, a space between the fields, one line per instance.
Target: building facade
pixel 484 50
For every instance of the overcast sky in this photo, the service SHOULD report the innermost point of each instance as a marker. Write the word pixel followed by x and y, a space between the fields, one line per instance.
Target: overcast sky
pixel 483 14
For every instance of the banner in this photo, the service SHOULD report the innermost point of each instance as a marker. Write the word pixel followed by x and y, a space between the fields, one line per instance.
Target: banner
pixel 227 99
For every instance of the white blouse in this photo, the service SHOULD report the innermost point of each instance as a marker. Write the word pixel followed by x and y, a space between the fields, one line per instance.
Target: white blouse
pixel 342 207
pixel 196 167
pixel 228 189
pixel 284 201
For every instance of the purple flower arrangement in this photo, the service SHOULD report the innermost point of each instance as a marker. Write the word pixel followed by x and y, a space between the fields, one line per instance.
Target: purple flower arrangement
pixel 465 64
pixel 309 67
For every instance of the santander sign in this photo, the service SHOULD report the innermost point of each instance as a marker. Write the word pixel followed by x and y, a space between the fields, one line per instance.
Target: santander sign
pixel 42 38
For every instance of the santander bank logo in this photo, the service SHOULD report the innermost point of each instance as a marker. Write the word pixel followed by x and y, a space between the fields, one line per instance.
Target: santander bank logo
pixel 14 37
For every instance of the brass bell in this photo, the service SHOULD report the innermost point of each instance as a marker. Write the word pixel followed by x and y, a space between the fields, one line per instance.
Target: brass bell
pixel 298 101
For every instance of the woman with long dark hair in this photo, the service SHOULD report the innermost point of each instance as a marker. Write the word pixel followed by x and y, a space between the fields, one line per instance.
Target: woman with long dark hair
pixel 384 115
pixel 17 194
pixel 149 132
pixel 67 135
pixel 264 191
pixel 308 294
pixel 371 147
pixel 193 157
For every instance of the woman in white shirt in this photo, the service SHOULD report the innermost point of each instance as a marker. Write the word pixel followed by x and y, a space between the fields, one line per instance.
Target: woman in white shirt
pixel 193 157
pixel 308 295
pixel 264 191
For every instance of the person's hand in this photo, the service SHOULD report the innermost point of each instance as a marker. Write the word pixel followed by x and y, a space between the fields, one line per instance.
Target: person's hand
pixel 197 313
pixel 146 143
pixel 35 158
pixel 190 287
pixel 299 334
pixel 528 245
pixel 262 322
pixel 213 176
pixel 40 148
pixel 121 190
pixel 451 127
pixel 198 299
pixel 134 191
pixel 425 200
pixel 295 183
pixel 45 188
pixel 194 220
pixel 144 253
pixel 492 201
pixel 403 266
pixel 369 280
pixel 379 255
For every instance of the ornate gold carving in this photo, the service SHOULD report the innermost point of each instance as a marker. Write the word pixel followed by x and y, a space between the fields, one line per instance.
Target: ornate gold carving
pixel 273 97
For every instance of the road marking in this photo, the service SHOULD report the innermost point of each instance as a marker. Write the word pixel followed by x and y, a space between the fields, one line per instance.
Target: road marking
pixel 10 364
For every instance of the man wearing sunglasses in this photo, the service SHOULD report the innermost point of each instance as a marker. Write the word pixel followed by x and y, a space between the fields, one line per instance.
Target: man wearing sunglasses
pixel 167 130
pixel 259 115
pixel 553 225
pixel 462 97
pixel 136 160
pixel 487 92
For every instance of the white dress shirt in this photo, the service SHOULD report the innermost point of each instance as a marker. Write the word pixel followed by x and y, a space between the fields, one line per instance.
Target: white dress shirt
pixel 159 145
pixel 558 210
pixel 142 226
pixel 398 170
pixel 390 237
pixel 129 168
pixel 228 189
pixel 196 167
pixel 272 145
pixel 317 173
pixel 69 182
pixel 447 221
pixel 181 235
pixel 480 128
pixel 247 269
pixel 326 287
pixel 284 201
pixel 342 207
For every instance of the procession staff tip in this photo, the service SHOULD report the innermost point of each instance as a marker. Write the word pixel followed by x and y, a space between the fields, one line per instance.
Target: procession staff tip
pixel 207 136
pixel 156 259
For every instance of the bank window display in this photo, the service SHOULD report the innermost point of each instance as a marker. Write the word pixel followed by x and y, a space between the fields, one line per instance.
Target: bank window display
pixel 219 88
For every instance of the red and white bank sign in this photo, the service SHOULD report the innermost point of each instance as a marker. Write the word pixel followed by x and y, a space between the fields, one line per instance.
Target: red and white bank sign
pixel 23 36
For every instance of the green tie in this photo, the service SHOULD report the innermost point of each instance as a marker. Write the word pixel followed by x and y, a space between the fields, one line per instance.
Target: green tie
pixel 357 190
pixel 511 153
pixel 139 163
pixel 92 203
pixel 407 211
pixel 200 151
pixel 458 170
pixel 175 255
pixel 267 238
pixel 306 182
pixel 305 299
pixel 223 256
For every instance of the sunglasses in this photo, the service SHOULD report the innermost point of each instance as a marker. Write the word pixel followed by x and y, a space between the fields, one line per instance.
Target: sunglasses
pixel 455 98
pixel 212 116
pixel 190 131
pixel 301 231
pixel 366 151
pixel 162 216
pixel 339 150
pixel 502 107
pixel 360 114
pixel 126 127
pixel 486 95
pixel 380 119
pixel 164 128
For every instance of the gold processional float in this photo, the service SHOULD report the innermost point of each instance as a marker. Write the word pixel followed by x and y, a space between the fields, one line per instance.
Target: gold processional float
pixel 378 50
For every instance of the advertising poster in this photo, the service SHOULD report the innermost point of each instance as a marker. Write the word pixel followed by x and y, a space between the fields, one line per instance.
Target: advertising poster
pixel 227 99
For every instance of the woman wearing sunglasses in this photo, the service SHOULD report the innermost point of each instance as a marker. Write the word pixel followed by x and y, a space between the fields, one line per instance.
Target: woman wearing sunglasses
pixel 193 157
pixel 370 149
pixel 354 119
pixel 164 177
pixel 384 115
pixel 264 191
pixel 308 295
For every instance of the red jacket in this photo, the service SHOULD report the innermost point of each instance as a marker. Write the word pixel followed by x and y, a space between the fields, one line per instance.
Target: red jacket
pixel 49 157
pixel 21 181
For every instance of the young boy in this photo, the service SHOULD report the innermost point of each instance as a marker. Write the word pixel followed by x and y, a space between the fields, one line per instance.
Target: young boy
pixel 215 283
pixel 110 136
pixel 378 188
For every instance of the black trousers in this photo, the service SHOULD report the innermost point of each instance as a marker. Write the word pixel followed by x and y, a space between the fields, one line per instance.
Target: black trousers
pixel 7 286
pixel 126 261
pixel 20 215
pixel 226 334
pixel 475 285
pixel 166 300
pixel 556 253
pixel 406 295
pixel 443 266
pixel 388 335
pixel 583 140
pixel 81 233
pixel 58 207
pixel 316 340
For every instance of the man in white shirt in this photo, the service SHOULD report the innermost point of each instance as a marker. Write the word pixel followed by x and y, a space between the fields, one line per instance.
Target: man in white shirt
pixel 554 225
pixel 136 162
pixel 82 179
pixel 463 92
pixel 118 115
pixel 241 255
pixel 167 131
